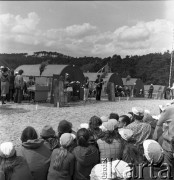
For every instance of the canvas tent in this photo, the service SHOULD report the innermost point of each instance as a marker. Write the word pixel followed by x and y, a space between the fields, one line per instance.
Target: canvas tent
pixel 109 77
pixel 135 85
pixel 33 70
pixel 45 79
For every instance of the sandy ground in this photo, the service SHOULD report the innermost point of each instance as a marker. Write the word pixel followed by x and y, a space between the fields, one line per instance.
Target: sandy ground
pixel 15 117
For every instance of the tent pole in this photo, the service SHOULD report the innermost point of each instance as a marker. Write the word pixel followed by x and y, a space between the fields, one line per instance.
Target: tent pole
pixel 171 61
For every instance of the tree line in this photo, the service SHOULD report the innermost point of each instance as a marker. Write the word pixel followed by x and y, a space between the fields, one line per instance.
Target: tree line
pixel 151 68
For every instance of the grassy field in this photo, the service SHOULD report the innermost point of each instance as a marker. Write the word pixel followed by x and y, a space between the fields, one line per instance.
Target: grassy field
pixel 15 117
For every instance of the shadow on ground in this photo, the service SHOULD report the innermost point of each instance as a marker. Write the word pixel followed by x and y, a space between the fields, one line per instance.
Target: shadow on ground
pixel 8 109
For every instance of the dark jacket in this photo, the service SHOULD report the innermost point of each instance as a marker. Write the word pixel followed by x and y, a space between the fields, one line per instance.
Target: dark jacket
pixel 86 159
pixel 21 171
pixel 67 168
pixel 37 156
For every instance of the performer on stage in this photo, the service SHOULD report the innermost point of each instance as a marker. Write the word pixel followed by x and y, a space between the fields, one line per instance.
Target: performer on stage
pixel 86 88
pixel 99 83
pixel 151 88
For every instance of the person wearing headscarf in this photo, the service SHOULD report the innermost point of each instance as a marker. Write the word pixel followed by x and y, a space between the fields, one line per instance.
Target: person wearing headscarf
pixel 94 127
pixel 117 169
pixel 62 161
pixel 12 167
pixel 4 78
pixel 110 145
pixel 35 152
pixel 49 137
pixel 153 163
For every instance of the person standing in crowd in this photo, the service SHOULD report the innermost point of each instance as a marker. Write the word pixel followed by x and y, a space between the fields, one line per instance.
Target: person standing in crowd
pixel 86 89
pixel 12 167
pixel 35 152
pixel 166 119
pixel 62 161
pixel 151 88
pixel 99 83
pixel 19 84
pixel 86 156
pixel 4 78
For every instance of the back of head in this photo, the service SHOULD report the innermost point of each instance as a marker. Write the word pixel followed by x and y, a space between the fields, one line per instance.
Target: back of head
pixel 29 133
pixel 47 132
pixel 64 127
pixel 125 119
pixel 94 123
pixel 20 72
pixel 138 113
pixel 83 137
pixel 114 116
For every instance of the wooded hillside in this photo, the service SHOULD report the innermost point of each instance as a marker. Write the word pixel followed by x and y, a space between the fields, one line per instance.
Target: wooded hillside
pixel 151 68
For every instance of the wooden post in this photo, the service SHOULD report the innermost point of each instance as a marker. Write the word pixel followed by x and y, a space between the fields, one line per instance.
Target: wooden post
pixel 111 92
pixel 56 91
pixel 61 92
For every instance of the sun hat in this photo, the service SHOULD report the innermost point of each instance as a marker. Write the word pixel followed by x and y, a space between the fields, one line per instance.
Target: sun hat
pixel 111 124
pixel 7 150
pixel 111 170
pixel 66 139
pixel 138 111
pixel 47 131
pixel 126 134
pixel 153 151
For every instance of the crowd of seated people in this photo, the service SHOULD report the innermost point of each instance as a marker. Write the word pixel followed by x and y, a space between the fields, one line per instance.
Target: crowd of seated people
pixel 135 145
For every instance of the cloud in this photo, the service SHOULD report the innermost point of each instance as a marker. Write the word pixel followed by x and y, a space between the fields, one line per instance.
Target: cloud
pixel 83 39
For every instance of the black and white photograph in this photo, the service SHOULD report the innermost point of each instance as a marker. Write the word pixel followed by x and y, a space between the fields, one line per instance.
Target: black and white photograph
pixel 87 90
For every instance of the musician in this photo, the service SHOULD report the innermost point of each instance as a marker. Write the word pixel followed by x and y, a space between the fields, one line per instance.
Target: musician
pixel 67 81
pixel 86 88
pixel 99 83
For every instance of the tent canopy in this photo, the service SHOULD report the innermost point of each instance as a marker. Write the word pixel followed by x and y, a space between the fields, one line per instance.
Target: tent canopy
pixel 33 70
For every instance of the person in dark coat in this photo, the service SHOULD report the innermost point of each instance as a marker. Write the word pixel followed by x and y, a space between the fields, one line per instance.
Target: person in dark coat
pixel 151 88
pixel 36 153
pixel 12 167
pixel 62 161
pixel 86 156
pixel 49 137
pixel 99 83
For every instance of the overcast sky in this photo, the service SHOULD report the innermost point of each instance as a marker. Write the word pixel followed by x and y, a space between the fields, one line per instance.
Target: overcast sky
pixel 86 28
